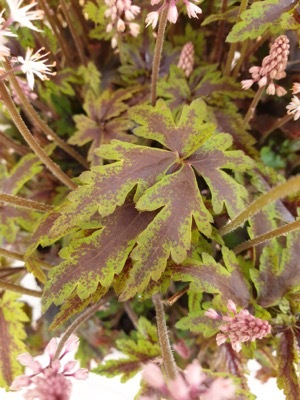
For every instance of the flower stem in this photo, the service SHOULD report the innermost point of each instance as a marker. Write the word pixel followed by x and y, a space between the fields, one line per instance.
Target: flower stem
pixel 76 38
pixel 253 105
pixel 17 147
pixel 233 46
pixel 20 257
pixel 289 187
pixel 280 122
pixel 19 289
pixel 163 337
pixel 157 52
pixel 36 120
pixel 54 168
pixel 282 230
pixel 240 61
pixel 76 324
pixel 217 51
pixel 24 203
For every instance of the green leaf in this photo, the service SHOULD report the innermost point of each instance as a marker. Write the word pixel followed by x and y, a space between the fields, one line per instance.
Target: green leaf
pixel 288 360
pixel 91 76
pixel 12 335
pixel 140 350
pixel 169 234
pixel 96 258
pixel 256 20
pixel 209 160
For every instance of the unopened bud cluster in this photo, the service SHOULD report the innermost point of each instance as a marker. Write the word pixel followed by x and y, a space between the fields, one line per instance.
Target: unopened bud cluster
pixel 186 59
pixel 121 13
pixel 273 68
pixel 239 328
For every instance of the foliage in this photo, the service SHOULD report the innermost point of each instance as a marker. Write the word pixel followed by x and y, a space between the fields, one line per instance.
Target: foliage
pixel 151 184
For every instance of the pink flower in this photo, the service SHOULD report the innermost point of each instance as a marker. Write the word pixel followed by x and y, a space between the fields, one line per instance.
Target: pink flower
pixel 296 88
pixel 190 384
pixel 49 382
pixel 239 328
pixel 152 19
pixel 192 9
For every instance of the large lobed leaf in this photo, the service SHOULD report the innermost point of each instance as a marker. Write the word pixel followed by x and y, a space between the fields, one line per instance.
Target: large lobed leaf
pixel 12 334
pixel 261 16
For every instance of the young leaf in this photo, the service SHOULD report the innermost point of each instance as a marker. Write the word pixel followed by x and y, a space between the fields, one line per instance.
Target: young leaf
pixel 12 335
pixel 144 348
pixel 279 271
pixel 105 120
pixel 261 16
pixel 170 231
pixel 288 358
pixel 96 258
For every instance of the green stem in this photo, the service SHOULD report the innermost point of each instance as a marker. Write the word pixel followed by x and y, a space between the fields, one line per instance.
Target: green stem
pixel 76 38
pixel 289 187
pixel 19 289
pixel 280 122
pixel 20 257
pixel 157 52
pixel 233 46
pixel 37 121
pixel 16 117
pixel 282 230
pixel 163 337
pixel 253 105
pixel 24 203
pixel 75 325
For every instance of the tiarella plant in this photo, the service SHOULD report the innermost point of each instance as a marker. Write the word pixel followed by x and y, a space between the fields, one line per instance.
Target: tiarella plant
pixel 150 183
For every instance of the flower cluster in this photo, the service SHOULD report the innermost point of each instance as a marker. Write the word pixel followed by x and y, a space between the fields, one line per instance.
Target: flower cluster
pixel 191 384
pixel 191 8
pixel 121 13
pixel 49 382
pixel 186 59
pixel 273 67
pixel 241 327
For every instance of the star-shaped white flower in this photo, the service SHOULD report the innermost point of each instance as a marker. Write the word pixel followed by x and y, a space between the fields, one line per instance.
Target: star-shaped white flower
pixel 294 107
pixel 24 15
pixel 35 64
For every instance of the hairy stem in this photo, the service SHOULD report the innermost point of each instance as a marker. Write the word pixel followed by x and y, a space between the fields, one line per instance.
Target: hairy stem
pixel 37 121
pixel 24 203
pixel 157 52
pixel 16 117
pixel 17 147
pixel 253 105
pixel 20 257
pixel 289 187
pixel 163 337
pixel 76 324
pixel 265 237
pixel 19 289
pixel 233 46
pixel 76 38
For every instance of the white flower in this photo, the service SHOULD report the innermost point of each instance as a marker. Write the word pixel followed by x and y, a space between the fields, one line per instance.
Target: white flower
pixel 152 19
pixel 35 64
pixel 294 107
pixel 22 15
pixel 296 88
pixel 192 9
